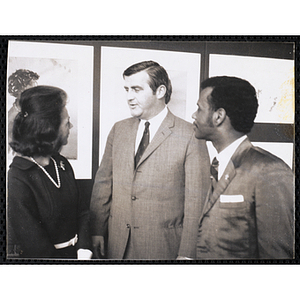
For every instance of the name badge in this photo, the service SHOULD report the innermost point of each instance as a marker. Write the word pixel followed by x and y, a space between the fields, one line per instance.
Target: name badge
pixel 231 198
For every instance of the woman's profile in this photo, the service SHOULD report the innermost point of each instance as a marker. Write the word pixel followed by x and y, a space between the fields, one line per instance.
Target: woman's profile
pixel 46 218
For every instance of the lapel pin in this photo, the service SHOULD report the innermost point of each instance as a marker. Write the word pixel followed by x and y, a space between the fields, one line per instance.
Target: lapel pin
pixel 226 177
pixel 62 165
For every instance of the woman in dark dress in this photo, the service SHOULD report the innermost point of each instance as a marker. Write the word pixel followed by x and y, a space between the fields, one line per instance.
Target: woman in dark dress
pixel 46 218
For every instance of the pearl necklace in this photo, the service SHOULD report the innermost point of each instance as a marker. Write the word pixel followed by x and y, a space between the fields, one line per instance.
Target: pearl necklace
pixel 48 175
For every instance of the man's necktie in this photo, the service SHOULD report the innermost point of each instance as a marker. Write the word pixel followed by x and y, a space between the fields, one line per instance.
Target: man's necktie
pixel 143 144
pixel 214 172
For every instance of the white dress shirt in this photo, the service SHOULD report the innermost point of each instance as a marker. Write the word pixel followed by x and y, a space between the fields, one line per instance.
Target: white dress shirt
pixel 155 122
pixel 225 155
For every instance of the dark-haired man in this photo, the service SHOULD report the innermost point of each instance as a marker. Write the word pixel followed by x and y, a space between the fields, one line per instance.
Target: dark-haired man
pixel 153 178
pixel 248 212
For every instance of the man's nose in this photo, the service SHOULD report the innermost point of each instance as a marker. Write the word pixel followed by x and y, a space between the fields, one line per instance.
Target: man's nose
pixel 130 95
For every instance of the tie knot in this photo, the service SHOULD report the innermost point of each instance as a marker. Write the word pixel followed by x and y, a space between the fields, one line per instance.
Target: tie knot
pixel 147 124
pixel 215 163
pixel 214 168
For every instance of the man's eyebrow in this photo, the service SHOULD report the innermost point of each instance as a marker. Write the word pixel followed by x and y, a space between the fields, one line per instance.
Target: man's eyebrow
pixel 133 87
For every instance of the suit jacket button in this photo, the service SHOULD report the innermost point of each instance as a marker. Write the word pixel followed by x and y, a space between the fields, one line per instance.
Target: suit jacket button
pixel 133 198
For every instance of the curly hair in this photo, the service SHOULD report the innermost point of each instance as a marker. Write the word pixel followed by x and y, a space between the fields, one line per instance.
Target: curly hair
pixel 19 80
pixel 237 96
pixel 36 127
pixel 157 74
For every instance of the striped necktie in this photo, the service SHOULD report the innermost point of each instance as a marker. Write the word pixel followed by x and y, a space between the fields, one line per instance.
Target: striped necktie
pixel 214 172
pixel 143 144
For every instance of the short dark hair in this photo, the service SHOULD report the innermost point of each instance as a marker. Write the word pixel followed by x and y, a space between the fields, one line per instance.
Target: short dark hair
pixel 237 96
pixel 157 74
pixel 36 126
pixel 19 80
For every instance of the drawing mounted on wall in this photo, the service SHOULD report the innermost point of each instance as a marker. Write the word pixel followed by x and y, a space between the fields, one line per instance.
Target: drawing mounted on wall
pixel 68 67
pixel 273 80
pixel 52 72
pixel 184 72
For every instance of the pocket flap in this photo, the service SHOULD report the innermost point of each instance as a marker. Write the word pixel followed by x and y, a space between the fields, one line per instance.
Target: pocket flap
pixel 231 198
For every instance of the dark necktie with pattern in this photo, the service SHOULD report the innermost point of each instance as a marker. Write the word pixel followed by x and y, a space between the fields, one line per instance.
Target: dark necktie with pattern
pixel 214 172
pixel 143 144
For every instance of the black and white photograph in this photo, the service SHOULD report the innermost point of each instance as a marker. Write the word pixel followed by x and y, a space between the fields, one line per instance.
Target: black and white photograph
pixel 150 152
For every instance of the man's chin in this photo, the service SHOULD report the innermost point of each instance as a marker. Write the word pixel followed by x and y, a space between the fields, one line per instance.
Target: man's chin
pixel 135 114
pixel 198 136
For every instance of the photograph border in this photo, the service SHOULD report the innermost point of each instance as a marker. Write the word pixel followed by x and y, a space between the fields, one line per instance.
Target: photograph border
pixel 156 39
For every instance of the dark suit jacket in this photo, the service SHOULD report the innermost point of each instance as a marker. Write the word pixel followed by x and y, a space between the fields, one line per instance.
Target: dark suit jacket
pixel 159 202
pixel 39 214
pixel 262 225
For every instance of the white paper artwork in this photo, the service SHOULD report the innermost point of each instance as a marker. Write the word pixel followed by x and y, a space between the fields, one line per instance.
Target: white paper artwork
pixel 272 78
pixel 69 67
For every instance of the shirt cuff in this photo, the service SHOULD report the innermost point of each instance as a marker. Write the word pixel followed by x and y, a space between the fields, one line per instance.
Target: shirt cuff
pixel 84 254
pixel 183 258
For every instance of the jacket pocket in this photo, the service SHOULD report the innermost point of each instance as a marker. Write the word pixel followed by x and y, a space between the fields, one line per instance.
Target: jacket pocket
pixel 233 232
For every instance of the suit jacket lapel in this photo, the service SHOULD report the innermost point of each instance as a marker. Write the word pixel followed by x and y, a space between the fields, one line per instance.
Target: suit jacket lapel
pixel 227 176
pixel 221 186
pixel 128 149
pixel 162 133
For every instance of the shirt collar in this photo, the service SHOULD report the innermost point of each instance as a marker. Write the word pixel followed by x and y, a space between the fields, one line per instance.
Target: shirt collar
pixel 155 122
pixel 225 155
pixel 158 118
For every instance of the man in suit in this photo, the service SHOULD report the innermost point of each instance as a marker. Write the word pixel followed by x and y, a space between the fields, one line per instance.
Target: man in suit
pixel 249 210
pixel 148 194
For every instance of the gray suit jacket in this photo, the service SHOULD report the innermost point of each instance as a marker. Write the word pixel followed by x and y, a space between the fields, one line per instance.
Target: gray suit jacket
pixel 158 203
pixel 250 213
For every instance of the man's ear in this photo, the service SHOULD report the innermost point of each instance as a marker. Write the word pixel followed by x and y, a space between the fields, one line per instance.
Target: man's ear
pixel 161 91
pixel 219 116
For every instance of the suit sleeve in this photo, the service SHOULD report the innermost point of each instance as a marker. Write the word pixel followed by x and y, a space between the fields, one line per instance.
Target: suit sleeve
pixel 83 218
pixel 84 241
pixel 197 182
pixel 102 191
pixel 24 222
pixel 275 212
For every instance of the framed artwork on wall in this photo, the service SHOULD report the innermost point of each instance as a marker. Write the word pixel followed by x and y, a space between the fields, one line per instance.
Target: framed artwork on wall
pixel 272 78
pixel 69 67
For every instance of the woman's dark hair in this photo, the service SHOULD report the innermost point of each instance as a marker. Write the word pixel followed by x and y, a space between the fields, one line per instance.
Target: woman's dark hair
pixel 237 96
pixel 36 127
pixel 157 76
